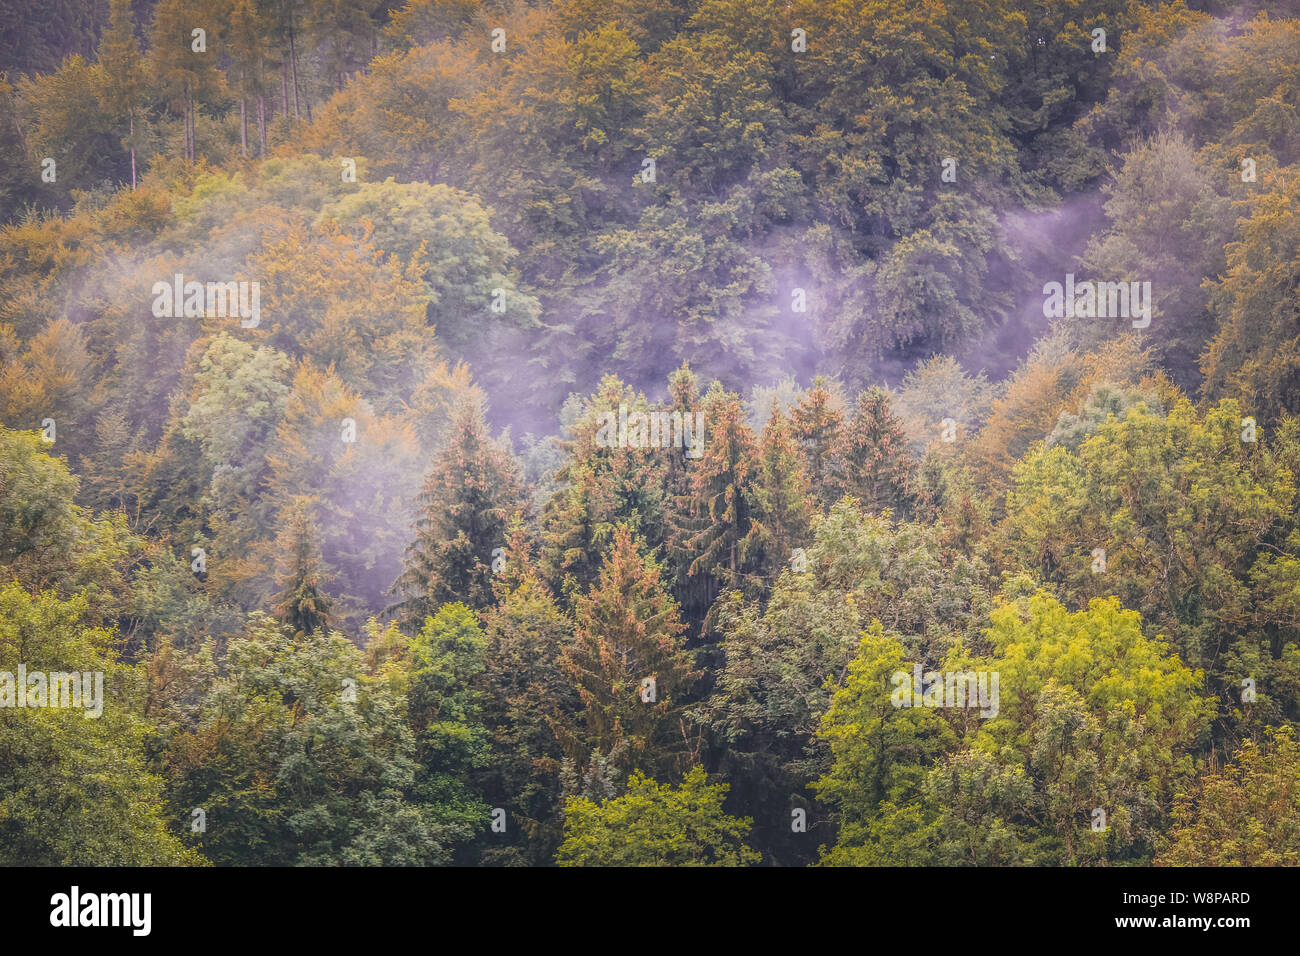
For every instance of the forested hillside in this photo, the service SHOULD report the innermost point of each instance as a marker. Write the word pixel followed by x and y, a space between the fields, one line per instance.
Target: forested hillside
pixel 686 432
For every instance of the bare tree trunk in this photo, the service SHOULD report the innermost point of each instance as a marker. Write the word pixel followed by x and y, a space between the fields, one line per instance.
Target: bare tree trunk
pixel 261 122
pixel 130 119
pixel 243 127
pixel 293 69
pixel 284 87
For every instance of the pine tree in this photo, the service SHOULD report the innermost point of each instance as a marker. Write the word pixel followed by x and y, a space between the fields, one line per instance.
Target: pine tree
pixel 818 421
pixel 601 485
pixel 347 36
pixel 716 527
pixel 575 518
pixel 780 502
pixel 694 593
pixel 877 465
pixel 466 503
pixel 630 669
pixel 288 16
pixel 684 398
pixel 107 465
pixel 524 687
pixel 301 602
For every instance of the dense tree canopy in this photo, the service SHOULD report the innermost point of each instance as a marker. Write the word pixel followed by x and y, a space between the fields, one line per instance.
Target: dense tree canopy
pixel 532 432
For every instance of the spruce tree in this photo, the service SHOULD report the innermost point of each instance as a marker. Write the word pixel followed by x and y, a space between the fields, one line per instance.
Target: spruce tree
pixel 818 423
pixel 630 669
pixel 602 483
pixel 465 505
pixel 301 601
pixel 715 527
pixel 182 76
pixel 524 687
pixel 780 503
pixel 877 465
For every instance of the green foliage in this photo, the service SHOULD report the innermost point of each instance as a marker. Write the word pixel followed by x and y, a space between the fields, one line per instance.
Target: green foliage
pixel 654 825
pixel 524 688
pixel 443 236
pixel 1253 356
pixel 660 208
pixel 876 465
pixel 1179 504
pixel 300 758
pixel 74 785
pixel 467 501
pixel 939 390
pixel 1170 220
pixel 770 694
pixel 630 670
pixel 1243 814
pixel 1091 715
pixel 445 714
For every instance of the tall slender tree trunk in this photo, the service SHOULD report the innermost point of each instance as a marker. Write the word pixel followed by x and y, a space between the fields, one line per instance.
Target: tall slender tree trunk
pixel 284 87
pixel 130 120
pixel 293 70
pixel 243 127
pixel 261 123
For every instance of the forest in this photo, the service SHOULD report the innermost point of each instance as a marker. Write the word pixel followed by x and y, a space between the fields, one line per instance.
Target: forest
pixel 649 433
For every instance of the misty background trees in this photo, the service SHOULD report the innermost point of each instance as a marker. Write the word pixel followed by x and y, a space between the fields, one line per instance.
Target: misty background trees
pixel 370 587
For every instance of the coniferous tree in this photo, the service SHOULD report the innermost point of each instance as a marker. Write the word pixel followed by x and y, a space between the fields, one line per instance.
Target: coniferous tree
pixel 524 687
pixel 693 592
pixel 246 35
pixel 630 669
pixel 877 464
pixel 818 421
pixel 604 480
pixel 302 602
pixel 465 507
pixel 715 527
pixel 781 505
